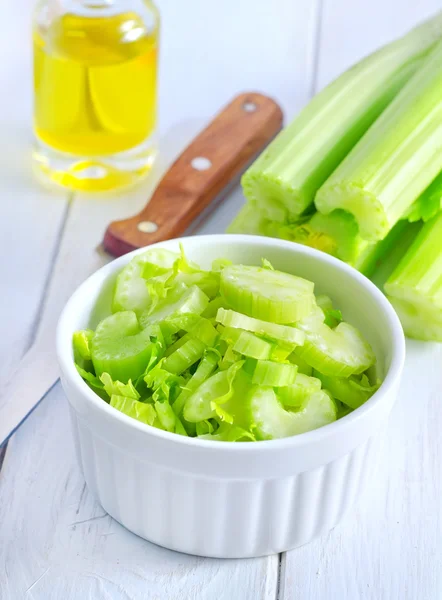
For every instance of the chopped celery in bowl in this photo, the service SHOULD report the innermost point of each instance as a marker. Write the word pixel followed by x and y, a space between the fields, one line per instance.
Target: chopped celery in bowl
pixel 221 354
pixel 203 372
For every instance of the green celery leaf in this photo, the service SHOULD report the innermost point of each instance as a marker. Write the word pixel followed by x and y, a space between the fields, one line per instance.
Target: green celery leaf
pixel 117 388
pixel 140 411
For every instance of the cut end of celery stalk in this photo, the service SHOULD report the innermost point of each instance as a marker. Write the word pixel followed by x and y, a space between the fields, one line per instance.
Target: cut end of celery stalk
pixel 420 320
pixel 342 232
pixel 428 204
pixel 367 210
pixel 286 176
pixel 415 286
pixel 380 258
pixel 272 194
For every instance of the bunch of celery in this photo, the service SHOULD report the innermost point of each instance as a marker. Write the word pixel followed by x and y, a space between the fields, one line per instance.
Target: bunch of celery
pixel 360 169
pixel 239 353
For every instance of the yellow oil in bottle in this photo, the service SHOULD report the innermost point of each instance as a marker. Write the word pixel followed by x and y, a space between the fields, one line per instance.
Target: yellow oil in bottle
pixel 95 82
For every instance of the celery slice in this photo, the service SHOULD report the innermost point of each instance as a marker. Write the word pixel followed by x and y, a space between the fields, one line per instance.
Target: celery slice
pixel 281 351
pixel 229 358
pixel 272 421
pixel 279 333
pixel 340 351
pixel 203 330
pixel 177 344
pixel 184 357
pixel 252 346
pixel 120 348
pixel 167 417
pixel 212 307
pixel 255 346
pixel 295 394
pixel 204 428
pixel 204 370
pixel 303 366
pixel 293 167
pixel 229 334
pixel 352 391
pixel 415 286
pixel 324 302
pixel 395 160
pixel 271 374
pixel 196 326
pixel 216 390
pixel 267 294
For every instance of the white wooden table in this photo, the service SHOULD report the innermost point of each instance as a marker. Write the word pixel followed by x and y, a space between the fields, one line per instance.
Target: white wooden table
pixel 56 543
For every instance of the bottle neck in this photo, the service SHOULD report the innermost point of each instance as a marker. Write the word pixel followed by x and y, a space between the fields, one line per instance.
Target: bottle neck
pixel 95 3
pixel 109 8
pixel 96 7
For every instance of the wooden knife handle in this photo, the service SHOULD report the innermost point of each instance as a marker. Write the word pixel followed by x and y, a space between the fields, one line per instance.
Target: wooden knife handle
pixel 217 156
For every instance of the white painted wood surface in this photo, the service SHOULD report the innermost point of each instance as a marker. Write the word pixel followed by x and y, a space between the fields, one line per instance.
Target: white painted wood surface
pixel 55 541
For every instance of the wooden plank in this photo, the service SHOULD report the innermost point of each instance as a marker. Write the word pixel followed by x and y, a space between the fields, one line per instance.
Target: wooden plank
pixel 56 543
pixel 390 547
pixel 31 216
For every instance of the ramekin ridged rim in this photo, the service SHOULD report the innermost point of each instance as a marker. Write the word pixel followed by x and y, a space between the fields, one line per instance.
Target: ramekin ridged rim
pixel 65 353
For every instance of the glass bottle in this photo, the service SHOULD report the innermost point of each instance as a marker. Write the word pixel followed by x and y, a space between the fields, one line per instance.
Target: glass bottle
pixel 95 91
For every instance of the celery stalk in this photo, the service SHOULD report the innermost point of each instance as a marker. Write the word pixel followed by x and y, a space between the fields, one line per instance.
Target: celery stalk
pixel 338 234
pixel 415 286
pixel 285 178
pixel 429 202
pixel 248 220
pixel 395 160
pixel 377 260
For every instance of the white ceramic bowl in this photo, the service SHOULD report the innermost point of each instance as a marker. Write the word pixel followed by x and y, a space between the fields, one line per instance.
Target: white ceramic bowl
pixel 233 499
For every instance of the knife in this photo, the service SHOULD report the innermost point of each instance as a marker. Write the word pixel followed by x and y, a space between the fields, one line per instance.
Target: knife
pixel 194 185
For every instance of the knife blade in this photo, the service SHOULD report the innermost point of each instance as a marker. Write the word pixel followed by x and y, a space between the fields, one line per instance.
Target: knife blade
pixel 195 184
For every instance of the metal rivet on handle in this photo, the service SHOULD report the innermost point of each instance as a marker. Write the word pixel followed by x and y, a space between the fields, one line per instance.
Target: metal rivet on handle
pixel 201 163
pixel 147 226
pixel 249 106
